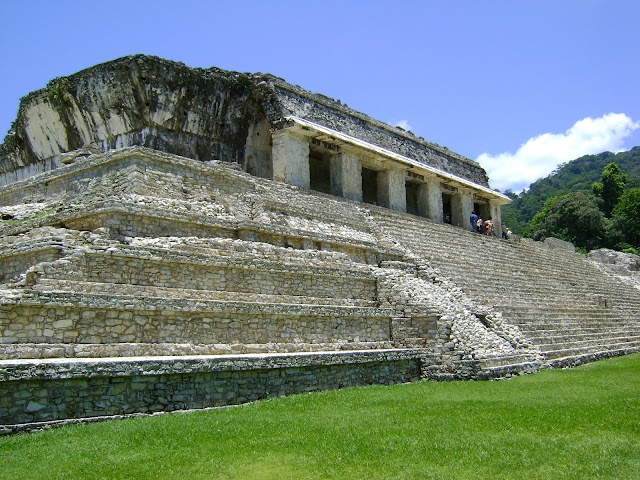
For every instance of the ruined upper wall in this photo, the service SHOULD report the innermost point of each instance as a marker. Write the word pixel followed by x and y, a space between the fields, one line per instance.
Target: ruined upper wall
pixel 325 111
pixel 193 112
pixel 136 100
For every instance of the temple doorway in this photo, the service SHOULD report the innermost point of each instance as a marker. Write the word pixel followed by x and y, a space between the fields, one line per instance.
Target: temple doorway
pixel 319 172
pixel 446 207
pixel 369 186
pixel 482 210
pixel 412 189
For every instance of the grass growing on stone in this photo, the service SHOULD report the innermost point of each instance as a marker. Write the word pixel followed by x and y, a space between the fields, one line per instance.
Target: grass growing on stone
pixel 582 423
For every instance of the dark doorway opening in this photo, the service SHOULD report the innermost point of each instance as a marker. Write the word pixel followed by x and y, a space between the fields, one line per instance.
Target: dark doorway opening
pixel 369 186
pixel 412 197
pixel 319 173
pixel 482 210
pixel 446 208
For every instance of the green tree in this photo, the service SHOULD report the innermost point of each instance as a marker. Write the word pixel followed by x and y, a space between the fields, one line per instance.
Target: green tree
pixel 626 217
pixel 575 217
pixel 610 187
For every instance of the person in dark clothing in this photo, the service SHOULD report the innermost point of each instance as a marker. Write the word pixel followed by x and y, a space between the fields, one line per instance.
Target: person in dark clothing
pixel 474 221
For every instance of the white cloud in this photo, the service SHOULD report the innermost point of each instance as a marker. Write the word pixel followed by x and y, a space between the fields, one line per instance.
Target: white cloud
pixel 404 124
pixel 540 155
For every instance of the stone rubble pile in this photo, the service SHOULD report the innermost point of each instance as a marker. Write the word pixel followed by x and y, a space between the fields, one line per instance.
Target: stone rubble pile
pixel 477 331
pixel 624 266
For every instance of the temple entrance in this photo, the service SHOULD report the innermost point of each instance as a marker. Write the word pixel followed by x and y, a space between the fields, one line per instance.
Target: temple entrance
pixel 369 186
pixel 412 189
pixel 446 207
pixel 319 172
pixel 482 210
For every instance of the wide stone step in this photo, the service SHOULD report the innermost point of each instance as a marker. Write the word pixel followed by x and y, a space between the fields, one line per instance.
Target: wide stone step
pixel 105 350
pixel 557 308
pixel 586 315
pixel 124 290
pixel 567 323
pixel 504 360
pixel 588 345
pixel 83 318
pixel 563 329
pixel 532 321
pixel 574 352
pixel 603 336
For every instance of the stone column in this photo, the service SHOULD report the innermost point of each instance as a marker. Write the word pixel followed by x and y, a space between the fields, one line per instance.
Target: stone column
pixel 496 218
pixel 456 209
pixel 391 189
pixel 346 176
pixel 290 155
pixel 466 201
pixel 430 200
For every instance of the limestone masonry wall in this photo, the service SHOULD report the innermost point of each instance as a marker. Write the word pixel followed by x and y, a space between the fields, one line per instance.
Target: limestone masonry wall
pixel 203 114
pixel 105 320
pixel 319 109
pixel 36 394
pixel 118 266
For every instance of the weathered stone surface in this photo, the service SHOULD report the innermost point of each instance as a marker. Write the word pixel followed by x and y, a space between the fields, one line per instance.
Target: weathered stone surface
pixel 624 266
pixel 109 257
pixel 38 393
pixel 557 244
pixel 138 100
pixel 199 113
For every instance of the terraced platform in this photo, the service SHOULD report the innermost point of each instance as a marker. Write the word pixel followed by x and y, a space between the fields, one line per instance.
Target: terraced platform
pixel 141 258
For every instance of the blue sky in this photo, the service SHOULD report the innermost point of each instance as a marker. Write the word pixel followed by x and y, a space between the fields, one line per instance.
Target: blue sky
pixel 519 85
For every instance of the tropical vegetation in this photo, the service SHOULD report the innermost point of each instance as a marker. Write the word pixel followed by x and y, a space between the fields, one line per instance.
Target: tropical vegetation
pixel 592 201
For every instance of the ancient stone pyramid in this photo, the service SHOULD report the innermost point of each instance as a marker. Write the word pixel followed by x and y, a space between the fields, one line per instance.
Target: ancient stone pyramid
pixel 151 263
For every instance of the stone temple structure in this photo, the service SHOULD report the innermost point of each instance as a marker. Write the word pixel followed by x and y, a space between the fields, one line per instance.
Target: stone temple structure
pixel 178 238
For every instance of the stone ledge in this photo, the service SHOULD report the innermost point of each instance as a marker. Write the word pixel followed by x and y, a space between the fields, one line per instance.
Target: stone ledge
pixel 82 300
pixel 15 351
pixel 581 359
pixel 47 369
pixel 117 289
pixel 52 394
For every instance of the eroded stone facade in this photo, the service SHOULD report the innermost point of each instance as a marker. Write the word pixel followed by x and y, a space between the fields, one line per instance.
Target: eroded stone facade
pixel 141 253
pixel 270 128
pixel 140 280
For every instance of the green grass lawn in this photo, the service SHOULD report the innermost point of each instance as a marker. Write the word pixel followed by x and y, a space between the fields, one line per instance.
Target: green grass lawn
pixel 582 423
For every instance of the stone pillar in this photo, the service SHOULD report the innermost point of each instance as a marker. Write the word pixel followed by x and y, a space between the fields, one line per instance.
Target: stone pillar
pixel 466 201
pixel 392 190
pixel 496 218
pixel 290 155
pixel 457 209
pixel 346 176
pixel 430 200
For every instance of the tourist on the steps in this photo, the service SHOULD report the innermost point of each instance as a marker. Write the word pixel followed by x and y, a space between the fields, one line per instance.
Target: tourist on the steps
pixel 480 225
pixel 473 220
pixel 488 227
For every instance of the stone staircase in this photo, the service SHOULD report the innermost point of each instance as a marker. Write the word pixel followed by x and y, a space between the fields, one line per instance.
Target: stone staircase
pixel 564 304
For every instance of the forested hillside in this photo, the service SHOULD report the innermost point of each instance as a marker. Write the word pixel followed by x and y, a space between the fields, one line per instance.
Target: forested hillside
pixel 574 176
